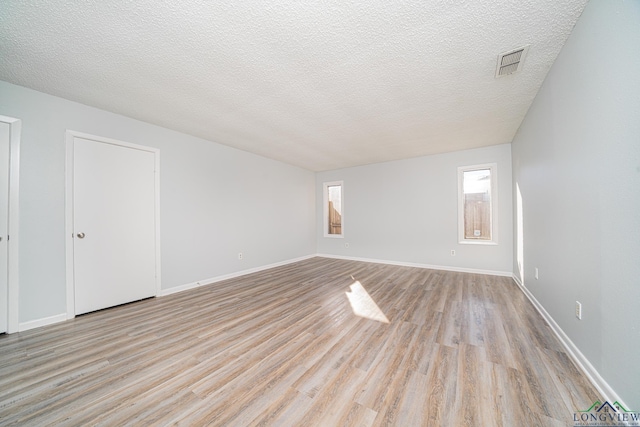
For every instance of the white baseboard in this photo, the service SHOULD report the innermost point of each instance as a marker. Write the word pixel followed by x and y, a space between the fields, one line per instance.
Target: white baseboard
pixel 193 285
pixel 580 360
pixel 605 390
pixel 417 265
pixel 32 324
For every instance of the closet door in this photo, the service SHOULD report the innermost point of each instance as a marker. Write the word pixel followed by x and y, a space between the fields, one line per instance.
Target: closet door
pixel 5 133
pixel 114 240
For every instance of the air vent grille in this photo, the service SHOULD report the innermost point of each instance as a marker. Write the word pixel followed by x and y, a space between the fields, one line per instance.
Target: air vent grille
pixel 510 62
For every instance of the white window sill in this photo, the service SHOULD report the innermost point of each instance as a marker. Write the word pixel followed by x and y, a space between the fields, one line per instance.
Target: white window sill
pixel 478 242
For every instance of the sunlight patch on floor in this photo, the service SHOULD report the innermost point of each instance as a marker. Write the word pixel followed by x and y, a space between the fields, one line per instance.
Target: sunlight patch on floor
pixel 363 305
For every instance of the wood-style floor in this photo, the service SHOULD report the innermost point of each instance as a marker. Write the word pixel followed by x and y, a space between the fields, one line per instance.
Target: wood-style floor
pixel 284 347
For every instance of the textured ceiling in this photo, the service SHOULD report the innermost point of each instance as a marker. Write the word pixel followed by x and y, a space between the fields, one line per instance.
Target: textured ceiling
pixel 321 85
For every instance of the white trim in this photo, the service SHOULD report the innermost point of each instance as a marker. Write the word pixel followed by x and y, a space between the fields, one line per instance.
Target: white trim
pixel 493 197
pixel 325 208
pixel 157 218
pixel 32 324
pixel 418 265
pixel 13 265
pixel 68 224
pixel 605 390
pixel 105 140
pixel 69 137
pixel 193 285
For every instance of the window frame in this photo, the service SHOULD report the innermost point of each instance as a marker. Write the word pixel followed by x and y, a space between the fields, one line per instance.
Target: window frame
pixel 493 198
pixel 325 208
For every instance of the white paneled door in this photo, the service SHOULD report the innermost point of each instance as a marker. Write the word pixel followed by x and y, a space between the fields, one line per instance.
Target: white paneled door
pixel 5 133
pixel 114 224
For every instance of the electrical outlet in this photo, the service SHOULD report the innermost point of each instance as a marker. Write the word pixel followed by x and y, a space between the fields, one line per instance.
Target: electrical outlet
pixel 536 273
pixel 453 252
pixel 578 310
pixel 240 255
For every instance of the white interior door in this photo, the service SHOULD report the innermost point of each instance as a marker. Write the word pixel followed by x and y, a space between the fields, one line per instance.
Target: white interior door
pixel 5 133
pixel 114 230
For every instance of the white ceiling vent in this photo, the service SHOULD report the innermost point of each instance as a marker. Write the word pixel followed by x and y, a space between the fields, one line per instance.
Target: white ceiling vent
pixel 512 61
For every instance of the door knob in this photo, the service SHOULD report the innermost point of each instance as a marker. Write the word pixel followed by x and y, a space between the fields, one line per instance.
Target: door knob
pixel 80 235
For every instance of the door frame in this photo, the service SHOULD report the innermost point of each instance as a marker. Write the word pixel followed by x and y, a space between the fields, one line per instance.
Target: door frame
pixel 13 278
pixel 70 135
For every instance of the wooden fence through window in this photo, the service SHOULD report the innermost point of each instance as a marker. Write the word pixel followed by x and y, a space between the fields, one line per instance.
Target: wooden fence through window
pixel 335 220
pixel 477 216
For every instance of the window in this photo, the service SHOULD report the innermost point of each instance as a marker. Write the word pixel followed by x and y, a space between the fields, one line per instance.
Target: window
pixel 333 209
pixel 477 217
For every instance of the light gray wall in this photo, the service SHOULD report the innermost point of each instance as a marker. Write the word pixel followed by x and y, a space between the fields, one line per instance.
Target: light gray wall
pixel 215 201
pixel 576 160
pixel 407 211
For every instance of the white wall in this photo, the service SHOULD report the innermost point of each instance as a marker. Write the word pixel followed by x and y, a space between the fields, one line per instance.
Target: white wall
pixel 407 211
pixel 576 161
pixel 215 201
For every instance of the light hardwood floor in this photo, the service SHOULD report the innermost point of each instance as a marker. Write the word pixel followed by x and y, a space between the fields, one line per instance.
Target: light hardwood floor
pixel 283 347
